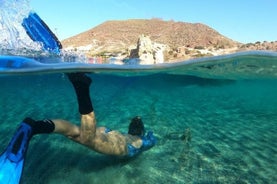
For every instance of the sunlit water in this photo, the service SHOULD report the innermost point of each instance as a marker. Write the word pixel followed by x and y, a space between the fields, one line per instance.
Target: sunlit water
pixel 233 124
pixel 229 104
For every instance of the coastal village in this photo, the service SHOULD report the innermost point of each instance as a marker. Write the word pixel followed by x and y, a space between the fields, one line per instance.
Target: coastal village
pixel 113 43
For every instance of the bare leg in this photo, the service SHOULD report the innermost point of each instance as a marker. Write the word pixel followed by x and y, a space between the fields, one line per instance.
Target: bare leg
pixel 81 84
pixel 67 129
pixel 79 134
pixel 83 134
pixel 88 128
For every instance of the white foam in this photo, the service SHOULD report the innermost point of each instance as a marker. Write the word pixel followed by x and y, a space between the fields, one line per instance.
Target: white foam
pixel 13 35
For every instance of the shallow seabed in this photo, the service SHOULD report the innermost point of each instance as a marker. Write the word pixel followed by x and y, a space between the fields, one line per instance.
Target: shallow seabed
pixel 233 127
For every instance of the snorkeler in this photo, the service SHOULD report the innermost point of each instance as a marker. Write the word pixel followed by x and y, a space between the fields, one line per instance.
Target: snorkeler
pixel 99 139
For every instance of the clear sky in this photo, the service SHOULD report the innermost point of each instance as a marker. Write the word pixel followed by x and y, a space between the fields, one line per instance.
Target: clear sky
pixel 241 20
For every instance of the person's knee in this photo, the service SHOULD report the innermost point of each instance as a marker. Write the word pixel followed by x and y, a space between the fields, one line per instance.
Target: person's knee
pixel 84 140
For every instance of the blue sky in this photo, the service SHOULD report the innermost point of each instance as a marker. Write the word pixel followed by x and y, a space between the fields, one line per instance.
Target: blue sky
pixel 241 20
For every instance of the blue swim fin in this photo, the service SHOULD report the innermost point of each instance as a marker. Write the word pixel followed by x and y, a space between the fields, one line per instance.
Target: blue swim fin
pixel 12 159
pixel 38 31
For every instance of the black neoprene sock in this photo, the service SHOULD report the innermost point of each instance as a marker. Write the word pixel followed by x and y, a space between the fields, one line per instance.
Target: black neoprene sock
pixel 40 127
pixel 81 84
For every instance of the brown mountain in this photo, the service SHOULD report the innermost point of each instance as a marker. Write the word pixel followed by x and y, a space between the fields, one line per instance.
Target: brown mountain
pixel 114 36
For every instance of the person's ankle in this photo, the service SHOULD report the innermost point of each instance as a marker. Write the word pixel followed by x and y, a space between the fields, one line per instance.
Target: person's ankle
pixel 79 78
pixel 40 127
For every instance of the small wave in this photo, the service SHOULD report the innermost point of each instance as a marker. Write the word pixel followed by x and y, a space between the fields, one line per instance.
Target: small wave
pixel 244 65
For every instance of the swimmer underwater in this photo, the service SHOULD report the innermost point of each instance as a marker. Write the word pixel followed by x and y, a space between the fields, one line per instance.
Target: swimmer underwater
pixel 100 139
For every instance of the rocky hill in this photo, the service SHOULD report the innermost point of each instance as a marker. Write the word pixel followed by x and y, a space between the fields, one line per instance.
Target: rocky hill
pixel 181 40
pixel 117 35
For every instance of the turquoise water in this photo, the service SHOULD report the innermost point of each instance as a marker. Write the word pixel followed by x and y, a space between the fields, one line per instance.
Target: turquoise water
pixel 232 122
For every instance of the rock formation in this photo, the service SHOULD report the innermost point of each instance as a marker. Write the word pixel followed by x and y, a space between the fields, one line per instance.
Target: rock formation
pixel 148 52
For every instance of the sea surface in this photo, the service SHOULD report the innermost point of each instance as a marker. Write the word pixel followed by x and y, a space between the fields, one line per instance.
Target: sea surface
pixel 232 123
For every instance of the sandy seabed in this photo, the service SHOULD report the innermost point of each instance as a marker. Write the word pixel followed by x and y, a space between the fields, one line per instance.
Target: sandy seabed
pixel 233 127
